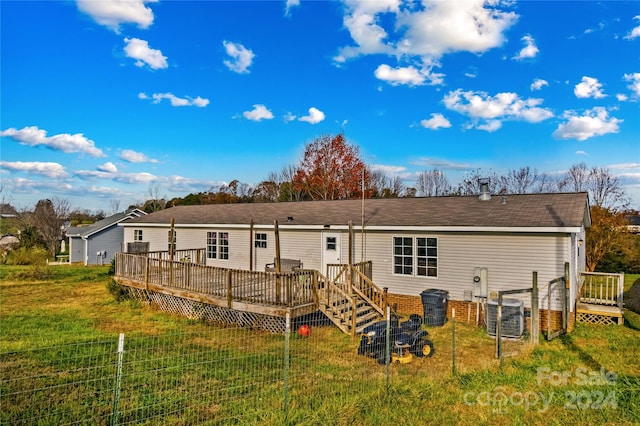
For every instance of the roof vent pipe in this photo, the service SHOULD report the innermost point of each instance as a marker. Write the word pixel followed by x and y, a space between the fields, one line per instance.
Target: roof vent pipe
pixel 485 195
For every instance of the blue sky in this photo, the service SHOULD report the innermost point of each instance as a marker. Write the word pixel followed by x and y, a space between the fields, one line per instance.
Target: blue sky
pixel 101 100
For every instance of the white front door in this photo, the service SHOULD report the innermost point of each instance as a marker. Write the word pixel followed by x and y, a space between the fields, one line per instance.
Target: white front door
pixel 330 249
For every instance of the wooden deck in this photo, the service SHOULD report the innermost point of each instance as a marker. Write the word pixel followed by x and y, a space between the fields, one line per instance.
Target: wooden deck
pixel 190 288
pixel 600 298
pixel 263 293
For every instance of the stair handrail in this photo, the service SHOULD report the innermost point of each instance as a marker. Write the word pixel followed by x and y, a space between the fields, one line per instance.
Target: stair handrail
pixel 331 289
pixel 372 294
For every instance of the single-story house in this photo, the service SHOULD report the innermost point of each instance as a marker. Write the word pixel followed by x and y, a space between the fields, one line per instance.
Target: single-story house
pixel 97 244
pixel 469 246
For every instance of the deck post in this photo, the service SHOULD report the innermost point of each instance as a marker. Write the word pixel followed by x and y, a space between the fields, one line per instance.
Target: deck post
pixel 535 312
pixel 251 245
pixel 277 236
pixel 385 303
pixel 146 273
pixel 567 297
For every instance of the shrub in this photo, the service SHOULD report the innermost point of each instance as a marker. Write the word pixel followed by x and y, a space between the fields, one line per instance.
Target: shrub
pixel 119 292
pixel 27 256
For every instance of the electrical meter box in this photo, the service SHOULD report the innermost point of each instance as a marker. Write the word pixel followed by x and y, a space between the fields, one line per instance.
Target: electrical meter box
pixel 480 282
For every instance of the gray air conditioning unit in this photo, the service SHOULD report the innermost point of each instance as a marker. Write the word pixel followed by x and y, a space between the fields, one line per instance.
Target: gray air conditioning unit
pixel 512 317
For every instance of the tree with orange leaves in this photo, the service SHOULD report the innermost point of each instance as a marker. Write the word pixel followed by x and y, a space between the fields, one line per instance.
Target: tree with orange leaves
pixel 331 169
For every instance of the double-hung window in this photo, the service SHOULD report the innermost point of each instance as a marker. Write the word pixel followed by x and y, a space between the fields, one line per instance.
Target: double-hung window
pixel 218 245
pixel 260 240
pixel 137 235
pixel 415 256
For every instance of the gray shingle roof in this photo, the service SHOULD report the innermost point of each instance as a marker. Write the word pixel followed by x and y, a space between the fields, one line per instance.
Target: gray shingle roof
pixel 84 231
pixel 523 210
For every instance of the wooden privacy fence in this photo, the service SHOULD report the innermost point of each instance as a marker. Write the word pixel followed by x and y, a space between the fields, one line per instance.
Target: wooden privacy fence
pixel 287 289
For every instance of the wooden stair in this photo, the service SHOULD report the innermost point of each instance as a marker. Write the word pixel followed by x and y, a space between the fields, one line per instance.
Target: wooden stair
pixel 350 311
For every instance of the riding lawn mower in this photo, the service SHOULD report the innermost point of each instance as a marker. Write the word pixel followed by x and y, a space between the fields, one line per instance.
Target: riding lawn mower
pixel 406 342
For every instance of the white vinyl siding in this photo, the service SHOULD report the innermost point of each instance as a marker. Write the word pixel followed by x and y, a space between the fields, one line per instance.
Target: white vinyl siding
pixel 510 258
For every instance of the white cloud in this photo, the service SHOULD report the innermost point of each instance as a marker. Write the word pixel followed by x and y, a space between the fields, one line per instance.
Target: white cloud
pixel 441 164
pixel 108 167
pixel 315 116
pixel 290 4
pixel 435 122
pixel 490 126
pixel 289 117
pixel 258 113
pixel 530 50
pixel 176 101
pixel 444 26
pixel 410 76
pixel 131 156
pixel 388 170
pixel 622 97
pixel 362 22
pixel 488 111
pixel 437 28
pixel 241 57
pixel 635 32
pixel 67 143
pixel 581 152
pixel 48 169
pixel 143 177
pixel 538 84
pixel 140 50
pixel 634 79
pixel 594 122
pixel 113 13
pixel 589 88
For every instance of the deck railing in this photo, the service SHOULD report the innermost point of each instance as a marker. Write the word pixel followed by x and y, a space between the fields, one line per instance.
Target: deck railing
pixel 284 289
pixel 601 288
pixel 356 278
pixel 197 255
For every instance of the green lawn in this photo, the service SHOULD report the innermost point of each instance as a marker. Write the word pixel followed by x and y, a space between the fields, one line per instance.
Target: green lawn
pixel 58 349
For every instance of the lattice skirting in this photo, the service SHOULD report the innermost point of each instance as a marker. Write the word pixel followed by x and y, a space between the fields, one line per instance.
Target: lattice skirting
pixel 203 311
pixel 596 318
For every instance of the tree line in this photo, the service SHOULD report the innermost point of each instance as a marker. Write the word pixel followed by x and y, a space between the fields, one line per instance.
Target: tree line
pixel 331 169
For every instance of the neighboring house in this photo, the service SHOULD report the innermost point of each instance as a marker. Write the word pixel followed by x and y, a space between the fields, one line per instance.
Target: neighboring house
pixel 634 224
pixel 414 243
pixel 97 244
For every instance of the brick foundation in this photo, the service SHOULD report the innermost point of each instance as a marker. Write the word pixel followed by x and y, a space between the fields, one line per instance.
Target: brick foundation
pixel 472 313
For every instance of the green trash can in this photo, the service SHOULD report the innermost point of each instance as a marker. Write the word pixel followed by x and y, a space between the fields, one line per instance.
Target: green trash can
pixel 435 303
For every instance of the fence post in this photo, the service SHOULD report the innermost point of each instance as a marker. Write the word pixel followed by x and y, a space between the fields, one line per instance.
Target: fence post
pixel 287 335
pixel 453 341
pixel 116 389
pixel 535 312
pixel 387 352
pixel 499 329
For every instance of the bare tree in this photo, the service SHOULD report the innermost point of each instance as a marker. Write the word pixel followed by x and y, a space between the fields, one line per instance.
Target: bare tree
pixel 286 189
pixel 519 181
pixel 114 205
pixel 432 183
pixel 576 179
pixel 605 189
pixel 155 201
